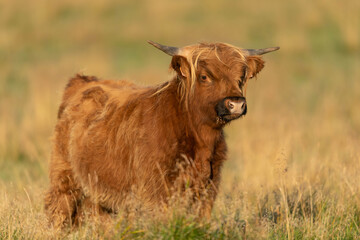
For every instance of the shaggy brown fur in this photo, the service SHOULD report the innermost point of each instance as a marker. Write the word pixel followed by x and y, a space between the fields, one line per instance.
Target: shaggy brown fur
pixel 114 139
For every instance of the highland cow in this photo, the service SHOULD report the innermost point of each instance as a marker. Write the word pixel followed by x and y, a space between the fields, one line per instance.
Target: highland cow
pixel 114 139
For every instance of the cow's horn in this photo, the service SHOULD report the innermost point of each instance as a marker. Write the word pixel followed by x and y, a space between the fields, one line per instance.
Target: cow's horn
pixel 252 52
pixel 166 49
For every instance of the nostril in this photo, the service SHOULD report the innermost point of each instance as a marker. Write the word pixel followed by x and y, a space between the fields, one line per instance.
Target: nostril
pixel 231 105
pixel 243 106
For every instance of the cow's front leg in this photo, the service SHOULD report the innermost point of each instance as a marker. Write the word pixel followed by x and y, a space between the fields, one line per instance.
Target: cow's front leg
pixel 212 188
pixel 203 165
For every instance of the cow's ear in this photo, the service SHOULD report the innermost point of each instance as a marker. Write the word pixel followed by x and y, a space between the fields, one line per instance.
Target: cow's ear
pixel 255 65
pixel 181 66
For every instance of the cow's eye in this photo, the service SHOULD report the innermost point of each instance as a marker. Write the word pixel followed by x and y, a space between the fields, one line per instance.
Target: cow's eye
pixel 204 79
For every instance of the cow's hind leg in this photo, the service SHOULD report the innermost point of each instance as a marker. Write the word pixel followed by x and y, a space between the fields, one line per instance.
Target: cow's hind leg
pixel 62 199
pixel 64 195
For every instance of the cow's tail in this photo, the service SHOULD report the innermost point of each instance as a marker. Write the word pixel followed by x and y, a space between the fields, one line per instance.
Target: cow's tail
pixel 72 88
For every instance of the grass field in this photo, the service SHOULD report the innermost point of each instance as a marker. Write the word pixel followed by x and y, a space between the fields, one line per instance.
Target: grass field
pixel 294 161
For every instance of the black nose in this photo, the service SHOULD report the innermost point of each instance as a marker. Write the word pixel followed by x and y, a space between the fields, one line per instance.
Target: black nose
pixel 231 108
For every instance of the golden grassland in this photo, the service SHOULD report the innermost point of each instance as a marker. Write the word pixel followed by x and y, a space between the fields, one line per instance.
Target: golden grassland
pixel 294 160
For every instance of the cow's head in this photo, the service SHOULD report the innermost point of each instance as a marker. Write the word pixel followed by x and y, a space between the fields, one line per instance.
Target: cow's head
pixel 212 78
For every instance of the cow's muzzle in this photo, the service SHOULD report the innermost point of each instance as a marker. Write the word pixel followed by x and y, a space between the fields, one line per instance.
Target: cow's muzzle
pixel 231 108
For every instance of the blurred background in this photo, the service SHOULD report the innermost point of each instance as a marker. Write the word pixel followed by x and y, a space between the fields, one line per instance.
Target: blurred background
pixel 303 116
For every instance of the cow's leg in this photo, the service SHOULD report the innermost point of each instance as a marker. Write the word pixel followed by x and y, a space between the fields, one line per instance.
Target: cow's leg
pixel 62 198
pixel 213 185
pixel 64 195
pixel 202 163
pixel 88 209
